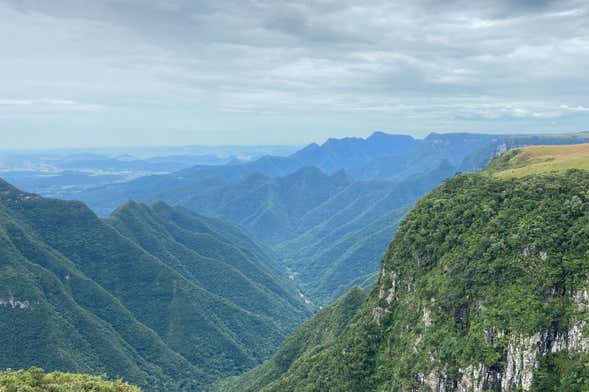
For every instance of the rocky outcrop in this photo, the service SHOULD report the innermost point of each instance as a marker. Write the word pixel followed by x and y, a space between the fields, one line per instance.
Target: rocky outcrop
pixel 521 359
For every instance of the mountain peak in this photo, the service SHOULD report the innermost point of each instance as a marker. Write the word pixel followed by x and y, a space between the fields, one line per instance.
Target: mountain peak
pixel 130 207
pixel 311 146
pixel 9 191
pixel 5 186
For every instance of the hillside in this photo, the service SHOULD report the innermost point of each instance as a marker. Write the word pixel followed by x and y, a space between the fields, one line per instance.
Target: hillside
pixel 85 295
pixel 214 255
pixel 316 333
pixel 340 242
pixel 326 230
pixel 540 159
pixel 268 206
pixel 479 159
pixel 484 287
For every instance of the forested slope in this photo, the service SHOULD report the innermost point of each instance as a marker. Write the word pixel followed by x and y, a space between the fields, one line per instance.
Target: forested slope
pixel 81 294
pixel 484 287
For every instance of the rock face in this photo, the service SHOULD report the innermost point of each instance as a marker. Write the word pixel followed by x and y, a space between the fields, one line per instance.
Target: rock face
pixel 524 354
pixel 484 288
pixel 520 349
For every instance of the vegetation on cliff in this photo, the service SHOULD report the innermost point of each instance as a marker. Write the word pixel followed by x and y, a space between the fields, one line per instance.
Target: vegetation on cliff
pixel 484 287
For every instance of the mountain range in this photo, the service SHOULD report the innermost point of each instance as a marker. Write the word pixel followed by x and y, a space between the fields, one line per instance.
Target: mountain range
pixel 327 211
pixel 482 288
pixel 160 296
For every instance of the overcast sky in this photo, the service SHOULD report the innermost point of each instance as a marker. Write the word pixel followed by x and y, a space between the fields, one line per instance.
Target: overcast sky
pixel 140 72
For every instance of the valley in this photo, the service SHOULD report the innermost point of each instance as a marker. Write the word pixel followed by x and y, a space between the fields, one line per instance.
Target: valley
pixel 483 288
pixel 327 211
pixel 294 196
pixel 204 282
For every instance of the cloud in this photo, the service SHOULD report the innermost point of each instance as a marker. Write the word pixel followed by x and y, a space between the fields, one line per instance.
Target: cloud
pixel 46 105
pixel 205 64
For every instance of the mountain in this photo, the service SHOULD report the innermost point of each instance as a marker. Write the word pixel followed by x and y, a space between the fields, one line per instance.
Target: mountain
pixel 378 157
pixel 424 156
pixel 151 294
pixel 213 254
pixel 268 206
pixel 326 230
pixel 332 156
pixel 329 210
pixel 339 243
pixel 58 173
pixel 484 287
pixel 352 152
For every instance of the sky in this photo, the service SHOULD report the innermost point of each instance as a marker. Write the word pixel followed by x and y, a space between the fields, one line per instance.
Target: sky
pixel 214 72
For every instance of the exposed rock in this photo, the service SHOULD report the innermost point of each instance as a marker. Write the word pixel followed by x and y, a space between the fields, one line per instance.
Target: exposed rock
pixel 15 304
pixel 522 356
pixel 501 148
pixel 521 361
pixel 472 379
pixel 388 295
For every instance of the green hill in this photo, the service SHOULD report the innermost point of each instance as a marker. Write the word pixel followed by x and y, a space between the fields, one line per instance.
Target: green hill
pixel 340 242
pixel 151 294
pixel 209 253
pixel 36 380
pixel 524 161
pixel 484 287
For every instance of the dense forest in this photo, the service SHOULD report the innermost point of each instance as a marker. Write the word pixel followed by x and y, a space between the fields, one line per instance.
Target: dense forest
pixel 162 297
pixel 294 196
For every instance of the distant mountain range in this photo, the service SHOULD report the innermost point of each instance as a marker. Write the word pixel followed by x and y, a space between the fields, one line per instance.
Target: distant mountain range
pixel 328 210
pixel 56 173
pixel 163 297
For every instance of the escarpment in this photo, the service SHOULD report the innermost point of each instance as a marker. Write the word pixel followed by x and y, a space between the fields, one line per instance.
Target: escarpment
pixel 484 287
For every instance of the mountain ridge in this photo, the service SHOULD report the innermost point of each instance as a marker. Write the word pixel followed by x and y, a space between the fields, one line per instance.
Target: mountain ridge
pixel 78 295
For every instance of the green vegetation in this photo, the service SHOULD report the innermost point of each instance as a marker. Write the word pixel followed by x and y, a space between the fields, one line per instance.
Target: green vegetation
pixel 152 295
pixel 540 159
pixel 36 380
pixel 484 284
pixel 340 242
pixel 216 256
pixel 327 211
pixel 314 335
pixel 327 231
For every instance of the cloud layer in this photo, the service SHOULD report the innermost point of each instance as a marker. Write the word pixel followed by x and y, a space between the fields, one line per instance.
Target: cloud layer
pixel 271 71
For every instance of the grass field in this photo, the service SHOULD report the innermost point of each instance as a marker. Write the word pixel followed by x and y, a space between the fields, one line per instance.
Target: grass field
pixel 524 161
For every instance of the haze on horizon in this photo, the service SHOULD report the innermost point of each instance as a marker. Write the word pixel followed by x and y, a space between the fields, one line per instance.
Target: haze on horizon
pixel 210 72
